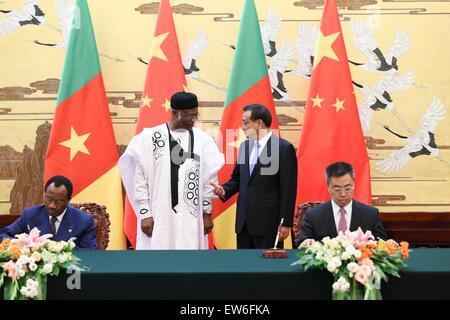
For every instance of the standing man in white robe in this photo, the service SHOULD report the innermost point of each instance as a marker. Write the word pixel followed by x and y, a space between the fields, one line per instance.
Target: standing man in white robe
pixel 166 171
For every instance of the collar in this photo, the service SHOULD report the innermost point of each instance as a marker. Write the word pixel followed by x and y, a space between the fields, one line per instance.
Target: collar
pixel 60 217
pixel 336 207
pixel 263 141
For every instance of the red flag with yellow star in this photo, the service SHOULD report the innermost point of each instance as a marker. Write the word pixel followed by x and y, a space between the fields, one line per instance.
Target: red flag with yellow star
pixel 82 145
pixel 165 76
pixel 331 127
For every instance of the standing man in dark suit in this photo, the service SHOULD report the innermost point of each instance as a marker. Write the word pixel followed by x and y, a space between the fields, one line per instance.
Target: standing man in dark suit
pixel 265 176
pixel 56 217
pixel 342 213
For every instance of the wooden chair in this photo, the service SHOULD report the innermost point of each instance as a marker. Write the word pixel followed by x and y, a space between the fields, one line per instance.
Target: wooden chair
pixel 101 218
pixel 102 222
pixel 298 219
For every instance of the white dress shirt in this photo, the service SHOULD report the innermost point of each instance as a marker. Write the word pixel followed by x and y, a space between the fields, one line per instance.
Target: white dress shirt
pixel 262 144
pixel 337 215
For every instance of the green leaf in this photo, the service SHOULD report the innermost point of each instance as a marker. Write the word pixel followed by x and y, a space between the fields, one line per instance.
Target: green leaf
pixel 11 289
pixel 392 272
pixel 55 271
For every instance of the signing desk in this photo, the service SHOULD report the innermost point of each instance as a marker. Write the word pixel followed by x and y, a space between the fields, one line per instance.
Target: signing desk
pixel 234 275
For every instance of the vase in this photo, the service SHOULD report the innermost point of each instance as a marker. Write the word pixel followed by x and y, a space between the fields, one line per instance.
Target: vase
pixel 42 288
pixel 372 294
pixel 9 289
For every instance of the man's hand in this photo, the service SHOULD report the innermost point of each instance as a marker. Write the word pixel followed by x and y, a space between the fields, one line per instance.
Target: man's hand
pixel 218 190
pixel 207 223
pixel 147 226
pixel 284 233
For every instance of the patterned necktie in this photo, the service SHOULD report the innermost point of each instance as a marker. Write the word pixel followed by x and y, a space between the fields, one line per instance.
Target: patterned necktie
pixel 254 159
pixel 53 225
pixel 342 222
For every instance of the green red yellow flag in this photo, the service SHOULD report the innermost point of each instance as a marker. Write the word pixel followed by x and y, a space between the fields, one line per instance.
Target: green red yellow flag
pixel 82 145
pixel 249 83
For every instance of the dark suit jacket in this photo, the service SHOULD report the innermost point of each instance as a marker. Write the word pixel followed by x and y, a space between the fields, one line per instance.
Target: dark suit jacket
pixel 269 193
pixel 75 223
pixel 319 222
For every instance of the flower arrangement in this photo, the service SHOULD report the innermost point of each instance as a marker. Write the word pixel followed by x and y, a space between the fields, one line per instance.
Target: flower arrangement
pixel 25 263
pixel 356 261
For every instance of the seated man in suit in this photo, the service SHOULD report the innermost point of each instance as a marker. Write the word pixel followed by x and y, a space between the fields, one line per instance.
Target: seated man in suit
pixel 56 217
pixel 342 213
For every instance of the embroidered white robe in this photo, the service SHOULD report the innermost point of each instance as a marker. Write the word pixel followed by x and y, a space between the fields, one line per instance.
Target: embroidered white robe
pixel 145 168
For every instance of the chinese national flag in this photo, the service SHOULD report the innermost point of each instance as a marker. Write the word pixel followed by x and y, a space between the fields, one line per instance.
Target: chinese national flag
pixel 249 83
pixel 331 128
pixel 82 146
pixel 165 76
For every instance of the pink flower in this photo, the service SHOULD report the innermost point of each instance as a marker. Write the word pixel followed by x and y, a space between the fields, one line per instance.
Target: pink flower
pixel 361 276
pixel 366 267
pixel 11 268
pixel 367 262
pixel 345 237
pixel 366 236
pixel 31 240
pixel 356 237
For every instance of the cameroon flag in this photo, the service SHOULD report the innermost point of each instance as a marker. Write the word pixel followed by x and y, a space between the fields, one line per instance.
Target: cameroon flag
pixel 82 146
pixel 249 83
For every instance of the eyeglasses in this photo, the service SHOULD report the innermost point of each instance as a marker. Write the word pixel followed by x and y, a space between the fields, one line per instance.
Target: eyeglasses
pixel 346 189
pixel 190 115
pixel 57 202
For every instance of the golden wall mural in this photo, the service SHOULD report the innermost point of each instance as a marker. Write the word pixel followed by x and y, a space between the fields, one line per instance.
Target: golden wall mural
pixel 398 52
